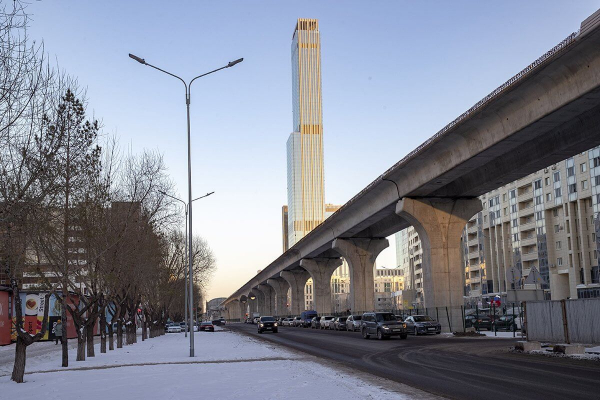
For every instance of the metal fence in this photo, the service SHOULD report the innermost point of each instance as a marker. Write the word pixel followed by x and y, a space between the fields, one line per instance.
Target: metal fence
pixel 564 321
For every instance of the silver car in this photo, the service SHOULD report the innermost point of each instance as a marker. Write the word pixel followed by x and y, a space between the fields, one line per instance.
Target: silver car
pixel 353 323
pixel 327 322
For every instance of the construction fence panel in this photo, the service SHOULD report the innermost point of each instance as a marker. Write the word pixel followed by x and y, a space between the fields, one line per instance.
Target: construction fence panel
pixel 583 320
pixel 564 321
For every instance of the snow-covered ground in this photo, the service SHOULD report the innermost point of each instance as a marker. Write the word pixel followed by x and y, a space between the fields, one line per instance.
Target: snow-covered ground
pixel 227 366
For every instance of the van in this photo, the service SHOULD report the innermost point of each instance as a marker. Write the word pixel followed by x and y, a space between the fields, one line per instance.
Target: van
pixel 306 317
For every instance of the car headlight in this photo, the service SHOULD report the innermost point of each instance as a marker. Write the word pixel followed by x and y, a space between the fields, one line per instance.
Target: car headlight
pixel 260 324
pixel 385 327
pixel 275 324
pixel 404 326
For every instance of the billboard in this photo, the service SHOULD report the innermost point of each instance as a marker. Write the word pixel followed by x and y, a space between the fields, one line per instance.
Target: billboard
pixel 5 321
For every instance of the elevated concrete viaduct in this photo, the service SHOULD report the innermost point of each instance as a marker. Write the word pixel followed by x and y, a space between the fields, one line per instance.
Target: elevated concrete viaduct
pixel 546 113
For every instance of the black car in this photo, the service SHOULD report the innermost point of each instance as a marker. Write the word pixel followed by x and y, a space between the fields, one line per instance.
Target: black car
pixel 478 322
pixel 417 324
pixel 315 323
pixel 267 324
pixel 382 324
pixel 207 326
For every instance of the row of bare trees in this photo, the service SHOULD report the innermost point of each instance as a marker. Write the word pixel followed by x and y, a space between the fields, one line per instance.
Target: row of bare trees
pixel 89 223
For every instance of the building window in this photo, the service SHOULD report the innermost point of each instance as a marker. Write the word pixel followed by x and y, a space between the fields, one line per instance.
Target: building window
pixel 538 200
pixel 556 176
pixel 584 185
pixel 515 237
pixel 515 223
pixel 513 194
pixel 573 188
pixel 513 208
pixel 547 181
pixel 555 212
pixel 583 167
pixel 548 196
pixel 556 228
pixel 558 245
pixel 559 261
pixel 557 192
pixel 504 197
pixel 596 161
pixel 505 211
pixel 539 216
pixel 570 171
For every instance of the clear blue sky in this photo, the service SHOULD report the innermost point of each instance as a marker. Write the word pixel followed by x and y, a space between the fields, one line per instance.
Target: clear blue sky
pixel 394 73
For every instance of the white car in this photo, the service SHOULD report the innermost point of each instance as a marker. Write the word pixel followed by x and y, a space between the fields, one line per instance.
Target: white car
pixel 287 321
pixel 327 322
pixel 174 328
pixel 353 323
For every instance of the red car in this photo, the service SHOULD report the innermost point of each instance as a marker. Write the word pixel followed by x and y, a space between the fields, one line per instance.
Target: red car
pixel 207 326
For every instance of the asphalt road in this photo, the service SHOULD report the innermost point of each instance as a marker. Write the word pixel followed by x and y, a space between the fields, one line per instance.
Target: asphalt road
pixel 457 368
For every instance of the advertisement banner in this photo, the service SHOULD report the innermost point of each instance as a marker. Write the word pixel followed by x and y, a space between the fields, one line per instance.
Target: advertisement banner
pixel 5 323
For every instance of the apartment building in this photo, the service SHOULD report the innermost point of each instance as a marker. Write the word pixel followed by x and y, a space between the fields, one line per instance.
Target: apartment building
pixel 546 221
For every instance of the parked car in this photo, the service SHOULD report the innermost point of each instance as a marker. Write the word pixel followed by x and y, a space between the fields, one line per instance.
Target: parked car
pixel 315 323
pixel 339 324
pixel 267 324
pixel 207 326
pixel 255 320
pixel 288 322
pixel 306 318
pixel 216 322
pixel 478 322
pixel 417 324
pixel 297 321
pixel 507 323
pixel 353 323
pixel 174 327
pixel 382 324
pixel 326 322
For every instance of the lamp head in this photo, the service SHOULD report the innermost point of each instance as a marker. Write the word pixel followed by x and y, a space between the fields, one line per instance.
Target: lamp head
pixel 231 63
pixel 138 59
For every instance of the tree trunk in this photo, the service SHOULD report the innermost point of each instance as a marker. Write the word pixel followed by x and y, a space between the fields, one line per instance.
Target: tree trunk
pixel 111 342
pixel 90 339
pixel 64 339
pixel 20 358
pixel 80 344
pixel 119 334
pixel 102 331
pixel 144 333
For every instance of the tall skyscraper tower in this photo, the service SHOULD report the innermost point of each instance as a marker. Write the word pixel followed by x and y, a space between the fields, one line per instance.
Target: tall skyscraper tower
pixel 306 194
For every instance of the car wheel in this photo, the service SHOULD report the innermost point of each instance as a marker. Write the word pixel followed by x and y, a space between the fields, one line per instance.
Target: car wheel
pixel 437 333
pixel 404 336
pixel 259 331
pixel 365 335
pixel 380 335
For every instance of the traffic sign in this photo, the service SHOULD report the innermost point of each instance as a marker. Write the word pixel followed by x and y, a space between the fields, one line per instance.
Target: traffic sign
pixel 513 275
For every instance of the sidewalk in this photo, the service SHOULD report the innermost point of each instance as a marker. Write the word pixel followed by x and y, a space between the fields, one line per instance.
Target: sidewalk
pixel 227 366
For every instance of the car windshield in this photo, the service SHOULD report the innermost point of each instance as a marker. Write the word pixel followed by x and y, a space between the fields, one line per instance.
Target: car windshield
pixel 422 318
pixel 386 317
pixel 357 317
pixel 267 319
pixel 206 323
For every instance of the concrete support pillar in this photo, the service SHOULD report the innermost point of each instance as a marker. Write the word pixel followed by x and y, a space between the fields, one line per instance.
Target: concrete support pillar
pixel 281 287
pixel 243 309
pixel 320 270
pixel 439 223
pixel 253 303
pixel 269 298
pixel 297 280
pixel 260 298
pixel 361 255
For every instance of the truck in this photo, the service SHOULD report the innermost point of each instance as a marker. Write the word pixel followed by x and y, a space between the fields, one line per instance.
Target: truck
pixel 306 317
pixel 255 317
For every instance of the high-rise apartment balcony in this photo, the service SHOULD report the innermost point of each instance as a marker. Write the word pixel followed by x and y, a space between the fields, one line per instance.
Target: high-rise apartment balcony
pixel 529 256
pixel 529 240
pixel 472 229
pixel 527 226
pixel 473 242
pixel 474 254
pixel 525 196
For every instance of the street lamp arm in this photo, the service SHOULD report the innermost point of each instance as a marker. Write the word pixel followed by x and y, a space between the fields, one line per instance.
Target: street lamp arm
pixel 143 61
pixel 201 197
pixel 173 197
pixel 229 65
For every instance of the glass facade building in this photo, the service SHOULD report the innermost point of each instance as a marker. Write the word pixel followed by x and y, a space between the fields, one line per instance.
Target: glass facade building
pixel 306 192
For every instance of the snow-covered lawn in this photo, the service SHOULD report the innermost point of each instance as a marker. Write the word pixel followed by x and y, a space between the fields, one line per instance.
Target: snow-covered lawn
pixel 227 366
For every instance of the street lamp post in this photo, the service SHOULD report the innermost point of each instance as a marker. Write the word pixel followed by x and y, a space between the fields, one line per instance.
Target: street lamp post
pixel 187 103
pixel 185 207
